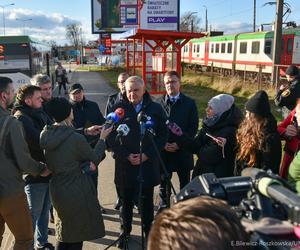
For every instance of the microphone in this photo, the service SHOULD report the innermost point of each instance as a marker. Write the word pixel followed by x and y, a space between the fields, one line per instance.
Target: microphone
pixel 123 130
pixel 114 117
pixel 174 128
pixel 146 123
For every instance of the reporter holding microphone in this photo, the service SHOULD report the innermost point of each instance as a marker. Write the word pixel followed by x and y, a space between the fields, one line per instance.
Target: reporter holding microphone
pixel 77 211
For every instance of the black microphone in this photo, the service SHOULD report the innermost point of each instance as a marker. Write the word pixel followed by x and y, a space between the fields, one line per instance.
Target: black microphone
pixel 141 119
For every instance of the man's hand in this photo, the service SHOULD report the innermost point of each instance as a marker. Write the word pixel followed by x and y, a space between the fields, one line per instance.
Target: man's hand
pixel 46 172
pixel 283 86
pixel 93 167
pixel 105 132
pixel 93 130
pixel 291 131
pixel 171 147
pixel 134 159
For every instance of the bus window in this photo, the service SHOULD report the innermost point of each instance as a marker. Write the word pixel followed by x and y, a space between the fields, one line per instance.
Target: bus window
pixel 289 46
pixel 16 55
pixel 229 48
pixel 243 48
pixel 255 47
pixel 198 48
pixel 268 47
pixel 223 47
pixel 212 48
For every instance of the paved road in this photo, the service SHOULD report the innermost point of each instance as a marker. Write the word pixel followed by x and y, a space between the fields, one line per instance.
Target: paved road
pixel 98 90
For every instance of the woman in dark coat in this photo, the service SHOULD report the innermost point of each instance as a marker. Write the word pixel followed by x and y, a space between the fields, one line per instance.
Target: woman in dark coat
pixel 258 141
pixel 216 154
pixel 77 210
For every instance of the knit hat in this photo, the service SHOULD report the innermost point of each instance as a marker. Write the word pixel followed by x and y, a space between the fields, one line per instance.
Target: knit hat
pixel 221 103
pixel 259 104
pixel 292 70
pixel 59 108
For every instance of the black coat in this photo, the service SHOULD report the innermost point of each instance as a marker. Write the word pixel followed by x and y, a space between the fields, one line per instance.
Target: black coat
pixel 87 113
pixel 210 156
pixel 33 121
pixel 184 113
pixel 112 101
pixel 125 173
pixel 288 97
pixel 270 156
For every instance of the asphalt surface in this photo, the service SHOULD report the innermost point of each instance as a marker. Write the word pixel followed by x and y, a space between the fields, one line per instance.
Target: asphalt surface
pixel 97 89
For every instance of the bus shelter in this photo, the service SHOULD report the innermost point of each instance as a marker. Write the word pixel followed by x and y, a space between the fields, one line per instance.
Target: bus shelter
pixel 151 53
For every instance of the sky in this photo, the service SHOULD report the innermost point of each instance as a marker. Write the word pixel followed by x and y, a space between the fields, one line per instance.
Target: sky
pixel 50 17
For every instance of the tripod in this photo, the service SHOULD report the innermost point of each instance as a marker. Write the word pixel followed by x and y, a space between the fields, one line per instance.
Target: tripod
pixel 151 133
pixel 122 187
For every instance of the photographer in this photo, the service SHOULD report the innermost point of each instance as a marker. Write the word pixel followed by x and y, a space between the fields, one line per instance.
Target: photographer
pixel 258 141
pixel 198 223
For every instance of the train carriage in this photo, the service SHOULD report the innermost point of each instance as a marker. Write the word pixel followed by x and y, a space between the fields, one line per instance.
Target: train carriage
pixel 243 52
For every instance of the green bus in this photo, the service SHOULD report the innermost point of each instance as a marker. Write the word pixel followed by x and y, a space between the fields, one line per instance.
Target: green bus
pixel 21 58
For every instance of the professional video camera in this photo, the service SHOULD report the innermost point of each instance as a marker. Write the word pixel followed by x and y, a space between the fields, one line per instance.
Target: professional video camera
pixel 255 196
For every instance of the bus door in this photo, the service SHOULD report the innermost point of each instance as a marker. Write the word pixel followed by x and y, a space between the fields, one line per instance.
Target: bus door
pixel 206 52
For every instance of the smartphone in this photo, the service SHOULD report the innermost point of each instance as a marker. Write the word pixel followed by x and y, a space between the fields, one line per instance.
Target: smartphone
pixel 212 137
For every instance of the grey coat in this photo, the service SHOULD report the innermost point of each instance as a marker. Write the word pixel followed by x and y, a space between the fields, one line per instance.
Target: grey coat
pixel 77 210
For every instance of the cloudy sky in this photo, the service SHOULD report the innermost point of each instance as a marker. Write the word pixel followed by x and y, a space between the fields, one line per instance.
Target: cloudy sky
pixel 49 17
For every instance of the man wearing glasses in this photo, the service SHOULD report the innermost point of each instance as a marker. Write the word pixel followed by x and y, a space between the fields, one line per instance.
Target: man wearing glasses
pixel 181 110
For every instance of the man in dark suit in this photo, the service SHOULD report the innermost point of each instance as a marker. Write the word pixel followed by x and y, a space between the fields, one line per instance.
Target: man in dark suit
pixel 110 107
pixel 182 110
pixel 127 154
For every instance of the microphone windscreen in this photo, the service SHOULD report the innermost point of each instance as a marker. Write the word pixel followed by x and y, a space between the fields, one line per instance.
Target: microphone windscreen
pixel 140 116
pixel 120 113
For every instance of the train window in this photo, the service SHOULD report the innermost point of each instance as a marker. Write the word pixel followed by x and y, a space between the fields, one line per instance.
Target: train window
pixel 223 47
pixel 217 47
pixel 268 47
pixel 212 48
pixel 194 48
pixel 229 48
pixel 198 48
pixel 255 47
pixel 243 48
pixel 290 46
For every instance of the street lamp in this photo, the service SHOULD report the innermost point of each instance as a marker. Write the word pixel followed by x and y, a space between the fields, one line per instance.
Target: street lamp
pixel 206 21
pixel 3 7
pixel 192 20
pixel 24 20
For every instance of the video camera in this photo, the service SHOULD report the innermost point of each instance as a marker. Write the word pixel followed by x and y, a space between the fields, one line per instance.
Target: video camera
pixel 255 194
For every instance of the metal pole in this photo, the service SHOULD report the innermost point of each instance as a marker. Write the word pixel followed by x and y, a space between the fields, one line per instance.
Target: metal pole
pixel 3 20
pixel 206 20
pixel 192 25
pixel 254 15
pixel 277 40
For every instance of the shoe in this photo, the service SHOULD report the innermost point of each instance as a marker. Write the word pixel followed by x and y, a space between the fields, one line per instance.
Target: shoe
pixel 47 246
pixel 103 211
pixel 123 241
pixel 118 204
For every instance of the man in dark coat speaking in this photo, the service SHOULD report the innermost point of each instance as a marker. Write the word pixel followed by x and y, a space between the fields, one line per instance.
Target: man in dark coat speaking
pixel 127 153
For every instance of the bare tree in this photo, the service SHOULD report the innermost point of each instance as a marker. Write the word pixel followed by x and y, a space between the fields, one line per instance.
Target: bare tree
pixel 190 22
pixel 74 34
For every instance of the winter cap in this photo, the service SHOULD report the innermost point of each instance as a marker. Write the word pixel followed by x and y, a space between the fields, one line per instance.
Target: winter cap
pixel 292 70
pixel 59 108
pixel 259 104
pixel 75 87
pixel 221 103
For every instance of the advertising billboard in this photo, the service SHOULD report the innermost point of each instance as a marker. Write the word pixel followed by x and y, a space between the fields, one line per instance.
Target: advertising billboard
pixel 117 16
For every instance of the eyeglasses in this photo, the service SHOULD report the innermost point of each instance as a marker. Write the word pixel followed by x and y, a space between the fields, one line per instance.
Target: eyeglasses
pixel 122 81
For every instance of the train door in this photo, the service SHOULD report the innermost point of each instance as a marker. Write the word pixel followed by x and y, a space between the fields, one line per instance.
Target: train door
pixel 287 47
pixel 206 52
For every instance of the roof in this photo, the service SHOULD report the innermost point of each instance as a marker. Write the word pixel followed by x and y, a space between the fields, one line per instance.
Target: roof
pixel 160 35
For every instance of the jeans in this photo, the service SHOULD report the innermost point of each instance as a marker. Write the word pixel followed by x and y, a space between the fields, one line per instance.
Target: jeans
pixel 15 213
pixel 39 204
